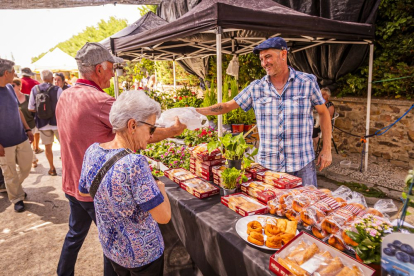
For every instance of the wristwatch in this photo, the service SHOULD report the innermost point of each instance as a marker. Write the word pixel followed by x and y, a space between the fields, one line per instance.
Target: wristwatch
pixel 27 130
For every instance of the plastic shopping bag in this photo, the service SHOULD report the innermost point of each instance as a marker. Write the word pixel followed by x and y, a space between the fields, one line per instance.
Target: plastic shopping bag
pixel 187 115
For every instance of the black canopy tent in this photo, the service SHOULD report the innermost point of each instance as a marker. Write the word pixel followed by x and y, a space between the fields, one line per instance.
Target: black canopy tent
pixel 214 27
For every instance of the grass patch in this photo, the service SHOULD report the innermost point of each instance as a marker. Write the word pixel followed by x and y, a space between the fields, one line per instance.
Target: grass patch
pixel 364 189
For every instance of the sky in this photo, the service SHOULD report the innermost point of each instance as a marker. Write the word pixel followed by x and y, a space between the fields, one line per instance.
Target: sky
pixel 28 33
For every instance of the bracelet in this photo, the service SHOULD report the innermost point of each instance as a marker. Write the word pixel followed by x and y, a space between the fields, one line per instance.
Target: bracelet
pixel 27 130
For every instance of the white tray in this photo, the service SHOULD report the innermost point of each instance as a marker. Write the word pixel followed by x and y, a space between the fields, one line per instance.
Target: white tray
pixel 241 229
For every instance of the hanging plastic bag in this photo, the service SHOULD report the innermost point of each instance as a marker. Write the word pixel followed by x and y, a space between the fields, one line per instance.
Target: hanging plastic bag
pixel 233 68
pixel 187 115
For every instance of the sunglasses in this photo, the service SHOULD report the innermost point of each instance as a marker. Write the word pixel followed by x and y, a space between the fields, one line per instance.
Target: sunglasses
pixel 13 85
pixel 152 127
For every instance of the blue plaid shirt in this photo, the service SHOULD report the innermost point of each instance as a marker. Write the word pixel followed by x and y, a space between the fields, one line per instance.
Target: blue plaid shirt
pixel 285 121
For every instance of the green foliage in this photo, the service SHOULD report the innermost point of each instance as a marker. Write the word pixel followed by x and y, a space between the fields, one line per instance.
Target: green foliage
pixel 97 33
pixel 165 74
pixel 146 8
pixel 210 98
pixel 198 136
pixel 231 177
pixel 170 154
pixel 234 147
pixel 187 101
pixel 393 56
pixel 369 233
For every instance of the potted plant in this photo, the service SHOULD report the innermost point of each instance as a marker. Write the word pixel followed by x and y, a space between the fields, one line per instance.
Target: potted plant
pixel 367 235
pixel 232 178
pixel 236 118
pixel 250 119
pixel 234 149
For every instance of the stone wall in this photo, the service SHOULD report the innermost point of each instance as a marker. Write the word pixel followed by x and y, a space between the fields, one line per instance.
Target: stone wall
pixel 396 146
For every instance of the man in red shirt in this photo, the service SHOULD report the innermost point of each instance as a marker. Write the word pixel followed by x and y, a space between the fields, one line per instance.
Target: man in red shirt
pixel 27 82
pixel 82 116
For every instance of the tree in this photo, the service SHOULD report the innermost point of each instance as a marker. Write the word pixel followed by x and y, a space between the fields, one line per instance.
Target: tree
pixel 97 33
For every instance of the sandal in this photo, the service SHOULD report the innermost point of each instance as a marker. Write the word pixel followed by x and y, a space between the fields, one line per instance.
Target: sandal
pixel 52 172
pixel 34 164
pixel 39 150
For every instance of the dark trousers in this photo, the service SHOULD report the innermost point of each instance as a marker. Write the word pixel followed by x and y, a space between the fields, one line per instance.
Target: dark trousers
pixel 81 216
pixel 156 268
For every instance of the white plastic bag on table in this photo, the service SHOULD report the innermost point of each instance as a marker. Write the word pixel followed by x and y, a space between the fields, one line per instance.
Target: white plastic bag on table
pixel 187 115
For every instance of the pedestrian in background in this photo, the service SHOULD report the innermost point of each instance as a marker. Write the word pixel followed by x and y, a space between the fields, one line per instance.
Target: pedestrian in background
pixel 24 108
pixel 14 143
pixel 45 116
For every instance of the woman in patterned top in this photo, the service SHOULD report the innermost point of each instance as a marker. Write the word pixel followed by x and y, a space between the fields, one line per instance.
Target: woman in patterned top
pixel 326 94
pixel 129 202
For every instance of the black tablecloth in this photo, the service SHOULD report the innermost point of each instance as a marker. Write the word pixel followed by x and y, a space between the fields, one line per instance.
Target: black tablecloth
pixel 207 229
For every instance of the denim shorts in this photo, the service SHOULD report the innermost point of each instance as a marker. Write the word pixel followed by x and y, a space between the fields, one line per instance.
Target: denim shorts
pixel 308 174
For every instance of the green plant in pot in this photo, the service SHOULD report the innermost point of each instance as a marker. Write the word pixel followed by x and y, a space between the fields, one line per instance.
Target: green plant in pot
pixel 233 148
pixel 232 178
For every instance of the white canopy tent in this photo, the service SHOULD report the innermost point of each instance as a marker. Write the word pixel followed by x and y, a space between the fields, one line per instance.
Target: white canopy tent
pixel 57 60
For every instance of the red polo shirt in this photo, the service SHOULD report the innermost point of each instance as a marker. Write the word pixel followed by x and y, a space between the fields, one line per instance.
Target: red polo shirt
pixel 27 85
pixel 82 115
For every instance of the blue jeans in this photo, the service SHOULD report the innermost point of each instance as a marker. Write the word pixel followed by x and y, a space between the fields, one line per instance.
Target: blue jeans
pixel 81 216
pixel 308 174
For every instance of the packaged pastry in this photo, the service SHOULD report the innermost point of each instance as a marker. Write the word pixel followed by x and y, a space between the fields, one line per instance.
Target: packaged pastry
pixel 243 204
pixel 200 152
pixel 306 255
pixel 260 190
pixel 315 213
pixel 283 201
pixel 199 188
pixel 255 168
pixel 178 175
pixel 279 180
pixel 340 217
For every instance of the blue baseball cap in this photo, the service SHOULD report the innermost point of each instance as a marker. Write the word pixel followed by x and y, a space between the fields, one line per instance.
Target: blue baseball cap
pixel 271 43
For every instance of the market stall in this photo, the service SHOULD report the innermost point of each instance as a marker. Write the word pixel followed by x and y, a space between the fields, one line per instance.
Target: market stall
pixel 235 27
pixel 239 218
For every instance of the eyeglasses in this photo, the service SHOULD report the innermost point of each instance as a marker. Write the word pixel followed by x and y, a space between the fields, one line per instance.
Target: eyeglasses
pixel 152 127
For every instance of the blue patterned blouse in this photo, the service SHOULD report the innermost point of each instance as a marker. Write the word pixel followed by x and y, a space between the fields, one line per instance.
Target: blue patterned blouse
pixel 128 233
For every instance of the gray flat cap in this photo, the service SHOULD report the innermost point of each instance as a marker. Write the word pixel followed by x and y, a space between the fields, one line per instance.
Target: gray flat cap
pixel 93 53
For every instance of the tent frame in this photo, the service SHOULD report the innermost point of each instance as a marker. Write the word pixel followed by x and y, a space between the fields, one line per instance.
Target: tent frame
pixel 161 52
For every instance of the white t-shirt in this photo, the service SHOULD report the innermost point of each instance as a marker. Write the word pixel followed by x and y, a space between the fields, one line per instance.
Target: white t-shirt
pixel 32 104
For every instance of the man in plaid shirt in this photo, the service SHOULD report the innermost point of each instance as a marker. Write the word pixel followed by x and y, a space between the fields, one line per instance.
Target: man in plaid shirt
pixel 283 101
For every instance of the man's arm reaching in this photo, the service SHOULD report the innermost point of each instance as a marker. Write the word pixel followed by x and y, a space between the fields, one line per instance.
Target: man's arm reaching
pixel 218 109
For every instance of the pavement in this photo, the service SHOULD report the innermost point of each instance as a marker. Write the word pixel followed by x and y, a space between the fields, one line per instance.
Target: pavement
pixel 31 241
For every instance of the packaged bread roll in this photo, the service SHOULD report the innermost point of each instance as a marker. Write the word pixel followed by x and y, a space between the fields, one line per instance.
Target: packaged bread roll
pixel 305 254
pixel 294 268
pixel 331 269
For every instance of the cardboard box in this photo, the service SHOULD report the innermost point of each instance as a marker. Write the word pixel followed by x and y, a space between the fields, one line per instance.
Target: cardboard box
pixel 255 168
pixel 200 152
pixel 199 188
pixel 210 163
pixel 178 175
pixel 206 176
pixel 263 192
pixel 278 269
pixel 241 209
pixel 280 180
pixel 391 265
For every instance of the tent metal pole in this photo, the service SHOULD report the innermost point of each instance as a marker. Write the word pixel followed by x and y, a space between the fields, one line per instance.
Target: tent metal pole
pixel 219 79
pixel 174 75
pixel 116 85
pixel 371 61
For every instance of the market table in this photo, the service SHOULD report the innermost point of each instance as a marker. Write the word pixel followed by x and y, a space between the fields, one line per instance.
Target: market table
pixel 207 229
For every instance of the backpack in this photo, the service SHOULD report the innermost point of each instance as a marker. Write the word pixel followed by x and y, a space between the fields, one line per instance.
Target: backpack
pixel 44 108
